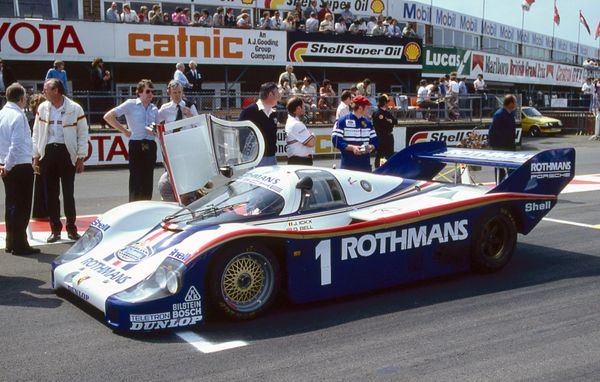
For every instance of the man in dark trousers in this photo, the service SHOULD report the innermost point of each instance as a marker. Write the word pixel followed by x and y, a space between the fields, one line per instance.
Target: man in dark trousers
pixel 384 122
pixel 262 114
pixel 60 144
pixel 16 170
pixel 503 130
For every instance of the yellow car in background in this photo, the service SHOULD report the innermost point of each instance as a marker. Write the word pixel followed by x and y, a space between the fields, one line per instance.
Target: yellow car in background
pixel 535 124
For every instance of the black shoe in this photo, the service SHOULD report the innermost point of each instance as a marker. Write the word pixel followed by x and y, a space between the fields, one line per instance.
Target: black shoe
pixel 8 250
pixel 73 235
pixel 53 238
pixel 26 251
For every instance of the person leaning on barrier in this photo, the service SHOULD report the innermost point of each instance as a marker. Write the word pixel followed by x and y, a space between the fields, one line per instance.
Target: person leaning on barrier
pixel 140 114
pixel 16 170
pixel 384 122
pixel 300 141
pixel 60 145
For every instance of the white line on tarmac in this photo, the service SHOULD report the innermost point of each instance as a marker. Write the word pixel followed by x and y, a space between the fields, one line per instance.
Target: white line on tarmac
pixel 205 346
pixel 572 223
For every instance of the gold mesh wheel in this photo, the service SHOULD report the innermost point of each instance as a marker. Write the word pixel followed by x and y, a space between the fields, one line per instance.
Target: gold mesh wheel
pixel 247 282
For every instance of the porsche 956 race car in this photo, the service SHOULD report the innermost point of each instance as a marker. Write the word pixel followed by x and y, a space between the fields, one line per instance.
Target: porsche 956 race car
pixel 306 233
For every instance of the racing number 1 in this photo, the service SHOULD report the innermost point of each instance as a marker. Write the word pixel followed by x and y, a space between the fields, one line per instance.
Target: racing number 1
pixel 323 253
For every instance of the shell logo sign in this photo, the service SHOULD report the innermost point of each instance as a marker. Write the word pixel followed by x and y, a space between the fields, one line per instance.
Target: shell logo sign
pixel 377 6
pixel 271 4
pixel 412 51
pixel 247 2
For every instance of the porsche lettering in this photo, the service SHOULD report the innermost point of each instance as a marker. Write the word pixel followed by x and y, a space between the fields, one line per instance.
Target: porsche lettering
pixel 408 238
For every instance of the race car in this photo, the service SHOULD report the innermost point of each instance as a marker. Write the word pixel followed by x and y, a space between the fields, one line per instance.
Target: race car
pixel 300 232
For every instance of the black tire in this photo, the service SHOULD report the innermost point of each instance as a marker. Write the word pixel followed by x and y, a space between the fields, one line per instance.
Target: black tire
pixel 534 131
pixel 244 281
pixel 494 241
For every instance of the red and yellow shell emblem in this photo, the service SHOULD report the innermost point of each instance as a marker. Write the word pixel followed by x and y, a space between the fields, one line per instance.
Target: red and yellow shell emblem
pixel 412 51
pixel 377 6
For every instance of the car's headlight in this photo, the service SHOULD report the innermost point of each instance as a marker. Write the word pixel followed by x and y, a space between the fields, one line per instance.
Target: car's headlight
pixel 88 241
pixel 165 281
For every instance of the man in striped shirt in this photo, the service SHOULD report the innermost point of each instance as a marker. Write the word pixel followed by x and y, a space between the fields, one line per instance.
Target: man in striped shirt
pixel 355 137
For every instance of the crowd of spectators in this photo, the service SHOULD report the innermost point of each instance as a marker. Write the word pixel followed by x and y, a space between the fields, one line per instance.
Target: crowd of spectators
pixel 311 19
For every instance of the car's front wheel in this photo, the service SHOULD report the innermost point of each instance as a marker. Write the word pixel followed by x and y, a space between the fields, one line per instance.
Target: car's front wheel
pixel 494 241
pixel 534 131
pixel 244 281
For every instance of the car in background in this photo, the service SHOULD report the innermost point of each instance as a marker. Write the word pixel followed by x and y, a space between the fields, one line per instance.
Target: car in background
pixel 535 124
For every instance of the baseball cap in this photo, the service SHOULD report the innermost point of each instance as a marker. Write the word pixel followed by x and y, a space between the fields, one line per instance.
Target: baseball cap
pixel 361 101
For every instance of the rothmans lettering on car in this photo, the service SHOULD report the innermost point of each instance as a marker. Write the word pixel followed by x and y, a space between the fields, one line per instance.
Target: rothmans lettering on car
pixel 551 170
pixel 105 270
pixel 400 240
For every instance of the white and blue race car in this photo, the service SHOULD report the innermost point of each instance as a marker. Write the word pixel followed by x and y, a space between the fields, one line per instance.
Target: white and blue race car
pixel 299 232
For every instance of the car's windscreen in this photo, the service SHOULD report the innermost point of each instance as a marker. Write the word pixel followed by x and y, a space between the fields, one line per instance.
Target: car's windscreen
pixel 531 112
pixel 237 200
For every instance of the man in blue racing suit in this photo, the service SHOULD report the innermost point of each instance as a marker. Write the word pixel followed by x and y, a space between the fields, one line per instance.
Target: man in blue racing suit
pixel 354 136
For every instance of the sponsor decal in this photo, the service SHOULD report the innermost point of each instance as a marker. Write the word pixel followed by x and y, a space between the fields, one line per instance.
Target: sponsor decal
pixel 106 270
pixel 538 206
pixel 81 279
pixel 134 253
pixel 178 255
pixel 412 51
pixel 451 137
pixel 27 38
pixel 307 51
pixel 268 182
pixel 101 226
pixel 78 293
pixel 404 239
pixel 184 313
pixel 551 170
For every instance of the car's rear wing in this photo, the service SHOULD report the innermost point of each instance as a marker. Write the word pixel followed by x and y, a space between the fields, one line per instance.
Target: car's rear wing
pixel 545 172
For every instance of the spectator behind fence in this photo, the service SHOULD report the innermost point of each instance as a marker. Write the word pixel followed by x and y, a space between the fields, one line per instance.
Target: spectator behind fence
pixel 409 31
pixel 230 19
pixel 289 24
pixel 100 81
pixel 326 101
pixel 276 21
pixel 363 88
pixel 347 15
pixel 265 21
pixel 380 29
pixel 262 114
pixel 194 77
pixel 140 113
pixel 327 25
pixel 310 9
pixel 394 29
pixel 284 91
pixel 179 75
pixel 289 75
pixel 323 11
pixel 112 14
pixel 60 145
pixel 243 21
pixel 340 26
pixel 205 19
pixel 143 15
pixel 219 18
pixel 58 71
pixel 128 15
pixel 312 23
pixel 155 15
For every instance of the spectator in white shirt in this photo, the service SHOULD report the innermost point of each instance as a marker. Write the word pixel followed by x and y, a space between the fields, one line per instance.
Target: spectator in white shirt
pixel 179 75
pixel 112 15
pixel 128 15
pixel 327 24
pixel 177 108
pixel 340 26
pixel 276 21
pixel 312 24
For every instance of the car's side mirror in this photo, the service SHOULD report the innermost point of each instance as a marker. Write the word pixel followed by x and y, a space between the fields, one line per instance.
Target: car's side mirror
pixel 305 183
pixel 226 171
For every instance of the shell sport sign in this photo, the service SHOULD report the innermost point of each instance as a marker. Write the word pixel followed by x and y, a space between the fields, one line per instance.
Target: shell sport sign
pixel 327 50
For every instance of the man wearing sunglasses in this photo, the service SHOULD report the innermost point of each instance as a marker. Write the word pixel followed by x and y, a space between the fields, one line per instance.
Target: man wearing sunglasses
pixel 139 113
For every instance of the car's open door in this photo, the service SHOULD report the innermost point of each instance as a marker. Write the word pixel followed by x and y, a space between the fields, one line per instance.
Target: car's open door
pixel 197 149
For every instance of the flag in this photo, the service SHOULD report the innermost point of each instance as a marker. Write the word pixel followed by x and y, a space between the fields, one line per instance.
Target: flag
pixel 556 15
pixel 527 4
pixel 597 31
pixel 584 22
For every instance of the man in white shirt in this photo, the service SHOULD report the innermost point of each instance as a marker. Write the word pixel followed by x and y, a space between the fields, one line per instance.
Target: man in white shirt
pixel 60 145
pixel 177 108
pixel 288 75
pixel 16 170
pixel 479 84
pixel 179 75
pixel 300 141
pixel 312 24
pixel 112 15
pixel 364 88
pixel 344 106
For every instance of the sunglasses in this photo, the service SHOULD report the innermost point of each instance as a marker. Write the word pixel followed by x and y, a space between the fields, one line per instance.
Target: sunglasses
pixel 148 91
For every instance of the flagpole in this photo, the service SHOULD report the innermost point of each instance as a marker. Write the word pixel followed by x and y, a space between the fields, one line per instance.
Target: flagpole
pixel 482 26
pixel 578 34
pixel 553 26
pixel 522 28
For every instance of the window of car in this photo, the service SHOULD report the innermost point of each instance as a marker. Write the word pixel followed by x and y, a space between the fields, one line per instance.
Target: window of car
pixel 531 112
pixel 326 192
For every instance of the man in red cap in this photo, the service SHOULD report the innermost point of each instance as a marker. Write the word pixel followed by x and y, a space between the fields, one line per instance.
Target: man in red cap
pixel 355 137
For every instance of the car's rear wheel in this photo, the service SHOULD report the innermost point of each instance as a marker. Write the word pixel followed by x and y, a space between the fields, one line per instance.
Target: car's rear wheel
pixel 244 281
pixel 494 241
pixel 534 131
